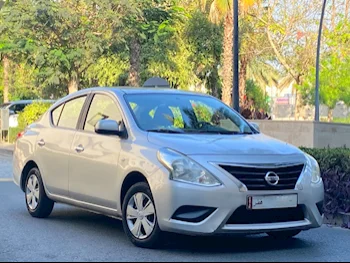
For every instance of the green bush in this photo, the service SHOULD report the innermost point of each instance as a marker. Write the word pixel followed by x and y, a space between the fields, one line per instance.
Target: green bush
pixel 257 94
pixel 32 113
pixel 13 134
pixel 342 120
pixel 335 169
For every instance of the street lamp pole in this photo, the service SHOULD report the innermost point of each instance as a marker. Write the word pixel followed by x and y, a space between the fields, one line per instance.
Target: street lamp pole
pixel 235 91
pixel 318 58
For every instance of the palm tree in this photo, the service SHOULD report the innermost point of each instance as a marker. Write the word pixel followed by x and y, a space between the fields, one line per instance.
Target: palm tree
pixel 222 11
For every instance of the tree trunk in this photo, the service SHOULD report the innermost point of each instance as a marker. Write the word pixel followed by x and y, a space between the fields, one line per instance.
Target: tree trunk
pixel 347 9
pixel 227 68
pixel 6 63
pixel 243 80
pixel 334 15
pixel 135 63
pixel 330 115
pixel 298 105
pixel 73 85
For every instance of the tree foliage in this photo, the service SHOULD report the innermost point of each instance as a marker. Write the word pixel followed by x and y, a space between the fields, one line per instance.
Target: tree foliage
pixel 55 47
pixel 335 68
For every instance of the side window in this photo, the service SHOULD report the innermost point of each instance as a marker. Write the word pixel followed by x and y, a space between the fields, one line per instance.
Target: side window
pixel 56 114
pixel 13 109
pixel 71 112
pixel 102 107
pixel 19 108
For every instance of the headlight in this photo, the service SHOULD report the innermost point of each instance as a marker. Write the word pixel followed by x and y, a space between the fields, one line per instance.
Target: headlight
pixel 313 169
pixel 183 169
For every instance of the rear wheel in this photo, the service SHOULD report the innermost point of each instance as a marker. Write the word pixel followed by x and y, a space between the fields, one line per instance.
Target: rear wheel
pixel 38 204
pixel 140 217
pixel 283 235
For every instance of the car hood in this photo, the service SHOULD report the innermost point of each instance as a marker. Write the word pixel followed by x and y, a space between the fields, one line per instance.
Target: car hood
pixel 200 144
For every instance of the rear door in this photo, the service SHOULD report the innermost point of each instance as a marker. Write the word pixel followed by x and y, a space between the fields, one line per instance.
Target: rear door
pixel 93 164
pixel 54 145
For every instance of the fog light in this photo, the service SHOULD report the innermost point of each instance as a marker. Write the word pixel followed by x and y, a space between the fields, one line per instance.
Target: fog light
pixel 193 214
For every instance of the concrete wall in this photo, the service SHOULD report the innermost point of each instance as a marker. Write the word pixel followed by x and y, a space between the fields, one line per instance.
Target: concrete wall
pixel 308 134
pixel 331 135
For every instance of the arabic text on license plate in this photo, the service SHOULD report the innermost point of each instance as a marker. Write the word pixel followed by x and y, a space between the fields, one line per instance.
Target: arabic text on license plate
pixel 272 202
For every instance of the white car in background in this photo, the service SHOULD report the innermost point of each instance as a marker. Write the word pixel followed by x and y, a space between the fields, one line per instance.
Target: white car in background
pixel 16 107
pixel 166 161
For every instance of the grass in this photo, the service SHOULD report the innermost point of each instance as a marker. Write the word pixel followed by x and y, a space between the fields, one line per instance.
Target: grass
pixel 342 120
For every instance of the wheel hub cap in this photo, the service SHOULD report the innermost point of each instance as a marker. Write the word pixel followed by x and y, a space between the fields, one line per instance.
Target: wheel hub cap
pixel 141 216
pixel 33 192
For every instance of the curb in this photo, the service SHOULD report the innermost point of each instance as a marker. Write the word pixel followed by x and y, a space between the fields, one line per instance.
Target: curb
pixel 6 150
pixel 6 180
pixel 340 220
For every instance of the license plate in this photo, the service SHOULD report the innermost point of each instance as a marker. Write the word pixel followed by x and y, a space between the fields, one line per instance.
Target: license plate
pixel 272 202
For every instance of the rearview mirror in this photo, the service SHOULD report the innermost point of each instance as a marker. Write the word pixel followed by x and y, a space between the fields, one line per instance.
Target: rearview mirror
pixel 255 126
pixel 108 127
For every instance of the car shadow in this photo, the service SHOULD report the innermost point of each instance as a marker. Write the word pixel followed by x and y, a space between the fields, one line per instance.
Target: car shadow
pixel 234 244
pixel 112 229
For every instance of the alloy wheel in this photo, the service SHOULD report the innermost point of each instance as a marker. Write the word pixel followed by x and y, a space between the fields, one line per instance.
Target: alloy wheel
pixel 141 216
pixel 33 192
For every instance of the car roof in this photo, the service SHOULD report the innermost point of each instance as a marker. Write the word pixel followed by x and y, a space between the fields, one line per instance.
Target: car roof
pixel 131 90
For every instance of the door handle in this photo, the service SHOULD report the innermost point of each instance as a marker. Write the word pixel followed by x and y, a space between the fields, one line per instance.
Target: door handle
pixel 79 149
pixel 41 143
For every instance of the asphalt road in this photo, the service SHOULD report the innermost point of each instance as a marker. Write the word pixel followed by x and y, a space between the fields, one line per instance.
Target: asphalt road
pixel 5 165
pixel 71 234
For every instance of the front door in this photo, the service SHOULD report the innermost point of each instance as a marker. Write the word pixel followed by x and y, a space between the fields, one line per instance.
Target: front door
pixel 93 164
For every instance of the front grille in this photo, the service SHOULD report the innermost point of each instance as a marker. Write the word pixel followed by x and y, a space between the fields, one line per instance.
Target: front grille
pixel 254 178
pixel 242 216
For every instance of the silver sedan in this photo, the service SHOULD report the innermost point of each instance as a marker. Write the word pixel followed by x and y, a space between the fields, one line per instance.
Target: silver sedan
pixel 166 161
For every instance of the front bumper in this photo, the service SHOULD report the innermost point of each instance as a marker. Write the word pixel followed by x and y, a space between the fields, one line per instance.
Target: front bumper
pixel 226 199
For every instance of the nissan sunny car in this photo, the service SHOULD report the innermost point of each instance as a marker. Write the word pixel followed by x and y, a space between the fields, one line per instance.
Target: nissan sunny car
pixel 166 161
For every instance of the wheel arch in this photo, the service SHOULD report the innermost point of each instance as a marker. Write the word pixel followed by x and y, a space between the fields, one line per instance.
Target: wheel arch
pixel 29 166
pixel 131 179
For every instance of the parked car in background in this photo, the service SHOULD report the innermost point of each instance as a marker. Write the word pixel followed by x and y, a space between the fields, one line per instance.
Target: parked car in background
pixel 166 161
pixel 16 107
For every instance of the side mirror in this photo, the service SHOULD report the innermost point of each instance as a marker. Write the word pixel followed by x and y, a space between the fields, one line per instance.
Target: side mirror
pixel 12 112
pixel 108 127
pixel 255 126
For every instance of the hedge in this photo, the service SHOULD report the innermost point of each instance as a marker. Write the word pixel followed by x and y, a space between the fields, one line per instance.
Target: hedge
pixel 335 169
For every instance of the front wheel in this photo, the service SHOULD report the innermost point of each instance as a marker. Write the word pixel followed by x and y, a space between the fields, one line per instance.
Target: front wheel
pixel 283 235
pixel 140 217
pixel 38 204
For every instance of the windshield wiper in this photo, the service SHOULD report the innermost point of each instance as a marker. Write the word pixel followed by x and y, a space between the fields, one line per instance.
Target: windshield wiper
pixel 218 132
pixel 165 131
pixel 246 133
pixel 210 132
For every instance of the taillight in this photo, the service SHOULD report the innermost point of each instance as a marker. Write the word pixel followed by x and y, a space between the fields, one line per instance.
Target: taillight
pixel 20 135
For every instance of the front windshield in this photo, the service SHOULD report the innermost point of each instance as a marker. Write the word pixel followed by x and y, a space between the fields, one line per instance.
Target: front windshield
pixel 182 113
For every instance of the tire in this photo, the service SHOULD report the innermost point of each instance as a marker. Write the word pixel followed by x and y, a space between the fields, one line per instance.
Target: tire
pixel 134 219
pixel 284 235
pixel 38 204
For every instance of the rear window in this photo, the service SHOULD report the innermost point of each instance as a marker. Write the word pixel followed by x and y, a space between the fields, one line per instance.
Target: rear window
pixel 56 114
pixel 71 112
